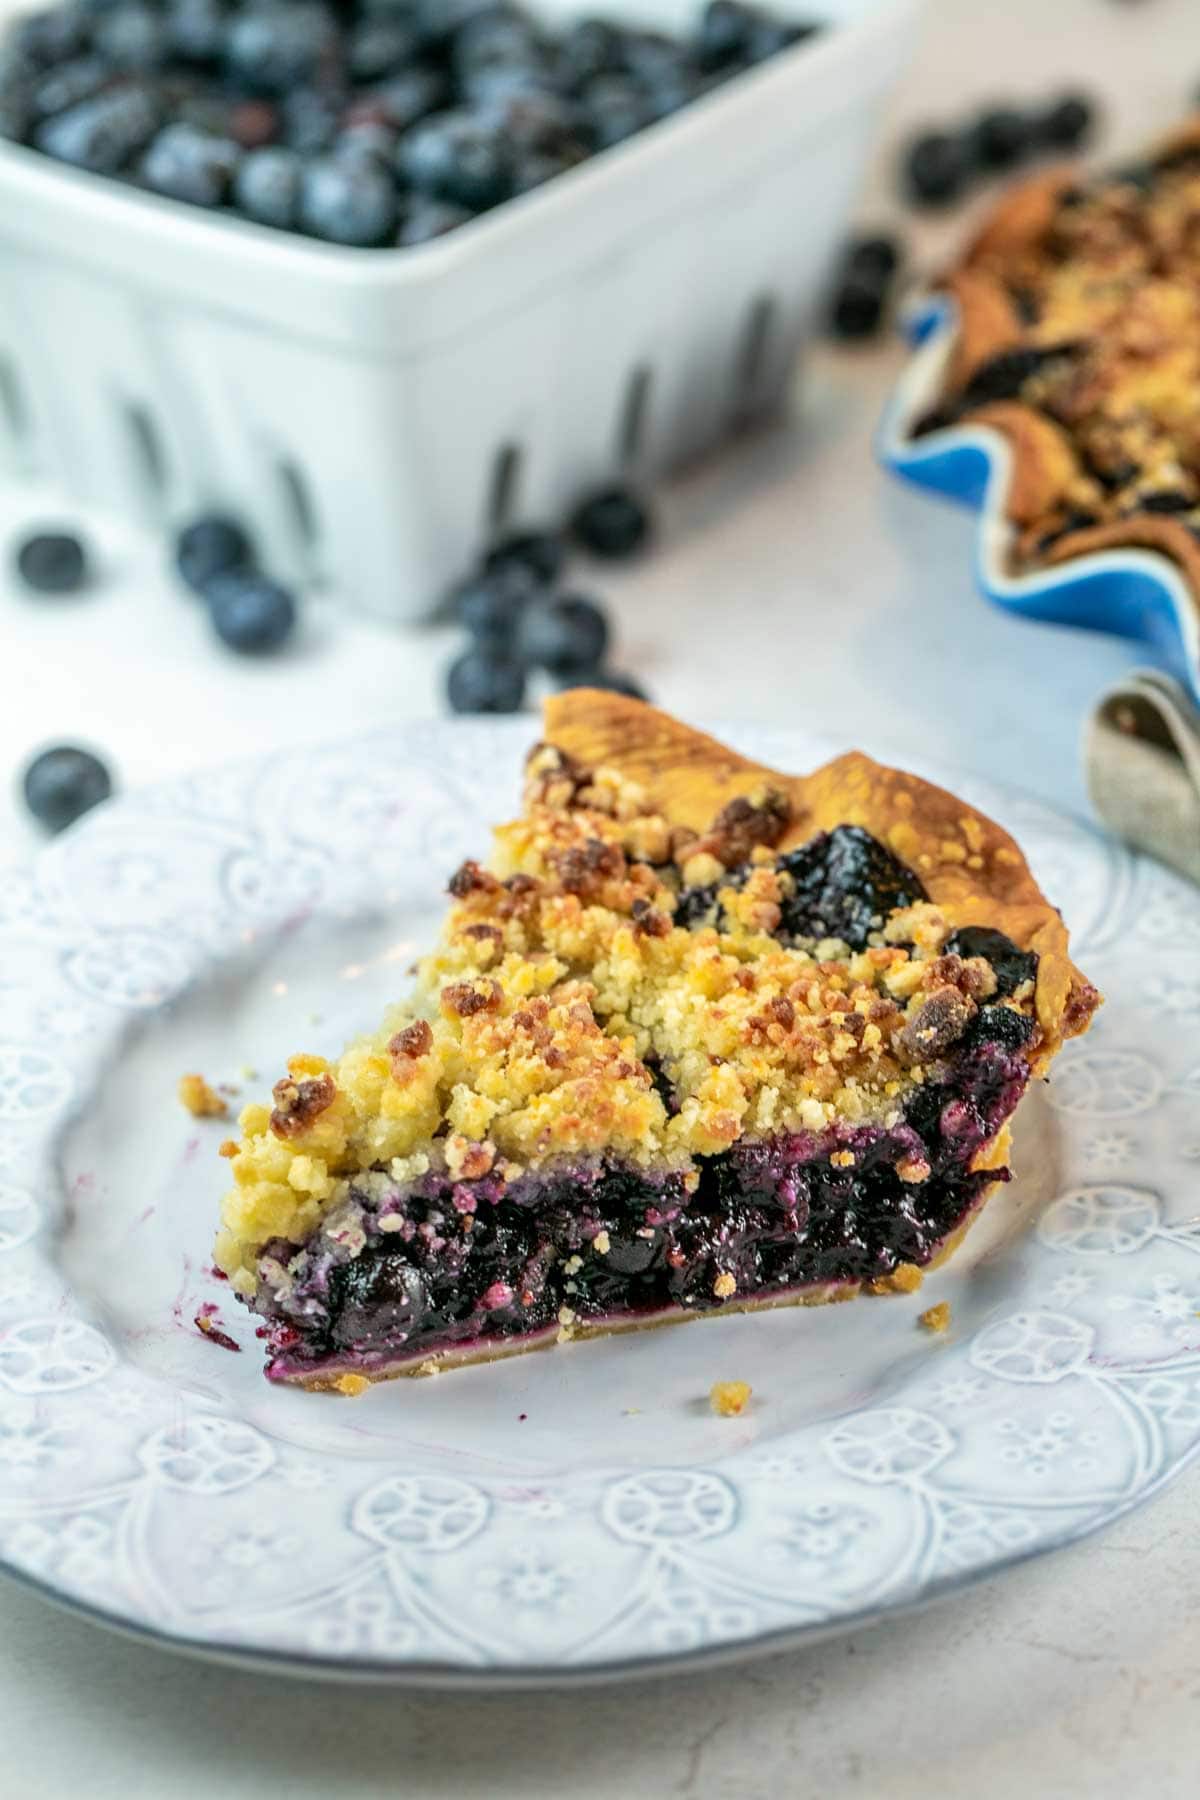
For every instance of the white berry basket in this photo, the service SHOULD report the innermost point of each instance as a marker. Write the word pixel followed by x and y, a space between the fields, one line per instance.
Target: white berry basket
pixel 377 416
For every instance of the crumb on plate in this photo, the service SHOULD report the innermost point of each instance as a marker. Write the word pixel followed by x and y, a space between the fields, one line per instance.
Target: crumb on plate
pixel 729 1399
pixel 201 1100
pixel 936 1318
pixel 352 1385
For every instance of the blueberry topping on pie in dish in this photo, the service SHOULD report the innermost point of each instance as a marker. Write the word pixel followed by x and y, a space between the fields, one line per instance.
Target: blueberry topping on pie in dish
pixel 697 1036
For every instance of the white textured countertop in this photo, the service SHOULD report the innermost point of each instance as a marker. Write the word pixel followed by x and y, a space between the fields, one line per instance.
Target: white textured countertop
pixel 793 579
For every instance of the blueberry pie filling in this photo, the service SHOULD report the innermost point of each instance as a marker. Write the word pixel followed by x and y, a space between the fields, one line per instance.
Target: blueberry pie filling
pixel 698 1037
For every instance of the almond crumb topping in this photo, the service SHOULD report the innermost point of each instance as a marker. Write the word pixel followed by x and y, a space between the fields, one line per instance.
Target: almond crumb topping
pixel 729 1399
pixel 201 1100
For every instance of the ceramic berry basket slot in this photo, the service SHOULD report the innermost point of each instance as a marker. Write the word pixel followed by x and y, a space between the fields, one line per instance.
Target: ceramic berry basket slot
pixel 378 414
pixel 1133 593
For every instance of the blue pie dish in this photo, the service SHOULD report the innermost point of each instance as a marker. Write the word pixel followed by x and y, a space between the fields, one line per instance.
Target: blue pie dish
pixel 1137 594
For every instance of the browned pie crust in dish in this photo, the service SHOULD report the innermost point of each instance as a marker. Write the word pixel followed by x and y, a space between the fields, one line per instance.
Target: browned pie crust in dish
pixel 1079 341
pixel 698 1037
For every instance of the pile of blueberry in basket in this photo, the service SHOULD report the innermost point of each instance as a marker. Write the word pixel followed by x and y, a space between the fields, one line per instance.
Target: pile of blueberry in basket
pixel 370 123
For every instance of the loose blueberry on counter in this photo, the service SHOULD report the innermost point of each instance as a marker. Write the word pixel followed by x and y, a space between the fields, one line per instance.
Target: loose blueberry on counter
pixel 877 255
pixel 478 682
pixel 63 783
pixel 936 167
pixel 52 562
pixel 209 546
pixel 249 612
pixel 857 310
pixel 540 553
pixel 1001 137
pixel 191 165
pixel 348 200
pixel 490 604
pixel 266 186
pixel 568 632
pixel 1067 121
pixel 612 523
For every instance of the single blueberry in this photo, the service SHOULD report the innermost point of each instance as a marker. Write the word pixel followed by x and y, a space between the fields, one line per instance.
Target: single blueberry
pixel 609 681
pixel 63 783
pixel 612 523
pixel 490 604
pixel 616 107
pixel 275 46
pixel 102 134
pixel 188 164
pixel 857 309
pixel 52 35
pixel 492 39
pixel 877 255
pixel 1001 137
pixel 477 682
pixel 540 554
pixel 936 166
pixel 267 187
pixel 132 37
pixel 311 120
pixel 67 85
pixel 426 219
pixel 348 200
pixel 209 546
pixel 590 47
pixel 196 30
pixel 568 632
pixel 454 156
pixel 1067 121
pixel 378 46
pixel 52 562
pixel 724 33
pixel 249 612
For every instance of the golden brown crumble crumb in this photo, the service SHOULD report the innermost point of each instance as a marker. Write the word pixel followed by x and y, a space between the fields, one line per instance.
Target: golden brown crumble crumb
pixel 201 1100
pixel 729 1399
pixel 352 1385
pixel 228 1147
pixel 905 1278
pixel 936 1318
pixel 724 1285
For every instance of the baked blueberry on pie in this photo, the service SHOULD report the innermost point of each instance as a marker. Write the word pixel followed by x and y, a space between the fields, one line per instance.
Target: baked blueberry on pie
pixel 1079 341
pixel 698 1036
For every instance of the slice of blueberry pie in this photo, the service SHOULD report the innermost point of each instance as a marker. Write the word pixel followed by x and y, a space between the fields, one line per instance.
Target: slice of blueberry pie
pixel 697 1036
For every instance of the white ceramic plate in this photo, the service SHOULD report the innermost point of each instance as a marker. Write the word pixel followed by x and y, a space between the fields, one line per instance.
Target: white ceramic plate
pixel 581 1512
